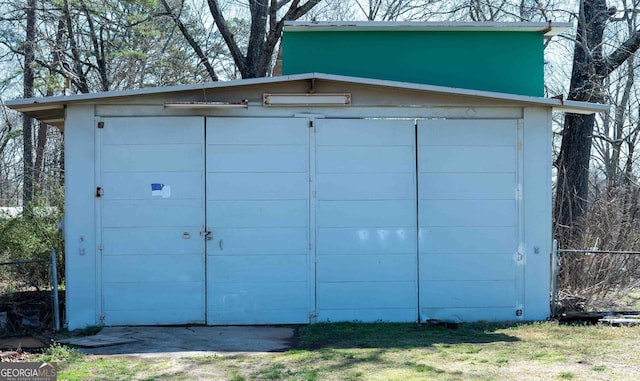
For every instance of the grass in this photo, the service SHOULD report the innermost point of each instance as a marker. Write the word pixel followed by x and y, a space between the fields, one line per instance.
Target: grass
pixel 382 351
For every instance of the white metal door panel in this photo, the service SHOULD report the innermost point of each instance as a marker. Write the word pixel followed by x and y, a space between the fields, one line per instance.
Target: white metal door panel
pixel 258 213
pixel 152 266
pixel 468 219
pixel 366 220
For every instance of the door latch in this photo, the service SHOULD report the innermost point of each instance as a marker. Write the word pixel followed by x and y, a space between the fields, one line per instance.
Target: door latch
pixel 207 234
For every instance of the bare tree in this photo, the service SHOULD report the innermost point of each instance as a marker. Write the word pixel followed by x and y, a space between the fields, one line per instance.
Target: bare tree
pixel 28 91
pixel 590 68
pixel 264 35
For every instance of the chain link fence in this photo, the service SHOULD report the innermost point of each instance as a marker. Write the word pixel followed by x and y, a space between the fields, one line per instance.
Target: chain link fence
pixel 29 296
pixel 595 280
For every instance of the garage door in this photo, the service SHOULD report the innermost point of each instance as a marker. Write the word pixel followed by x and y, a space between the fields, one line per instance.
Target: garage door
pixel 468 216
pixel 152 179
pixel 258 214
pixel 366 220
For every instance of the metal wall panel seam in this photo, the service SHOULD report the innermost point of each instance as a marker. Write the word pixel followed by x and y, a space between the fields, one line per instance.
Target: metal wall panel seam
pixel 205 275
pixel 312 207
pixel 99 127
pixel 520 307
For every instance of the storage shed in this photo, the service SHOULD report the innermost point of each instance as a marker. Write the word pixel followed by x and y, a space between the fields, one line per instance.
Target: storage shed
pixel 303 198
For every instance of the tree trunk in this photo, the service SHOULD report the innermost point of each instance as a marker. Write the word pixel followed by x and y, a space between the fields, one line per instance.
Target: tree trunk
pixel 257 61
pixel 575 152
pixel 27 122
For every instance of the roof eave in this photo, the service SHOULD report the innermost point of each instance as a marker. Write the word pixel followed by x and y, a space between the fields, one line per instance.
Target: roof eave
pixel 548 29
pixel 51 109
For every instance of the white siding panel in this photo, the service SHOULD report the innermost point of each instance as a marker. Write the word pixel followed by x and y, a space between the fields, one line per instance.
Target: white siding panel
pixel 258 213
pixel 153 316
pixel 137 185
pixel 365 159
pixel 257 158
pixel 366 265
pixel 156 241
pixel 456 159
pixel 151 158
pixel 537 211
pixel 364 133
pixel 82 282
pixel 152 131
pixel 467 132
pixel 254 298
pixel 257 186
pixel 480 294
pixel 160 268
pixel 382 268
pixel 366 295
pixel 264 268
pixel 149 263
pixel 266 316
pixel 468 218
pixel 366 241
pixel 384 213
pixel 366 186
pixel 263 213
pixel 467 186
pixel 369 315
pixel 460 213
pixel 140 296
pixel 468 314
pixel 468 240
pixel 267 131
pixel 160 213
pixel 249 241
pixel 465 267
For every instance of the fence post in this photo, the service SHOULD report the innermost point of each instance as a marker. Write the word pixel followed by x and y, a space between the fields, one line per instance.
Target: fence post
pixel 555 260
pixel 54 288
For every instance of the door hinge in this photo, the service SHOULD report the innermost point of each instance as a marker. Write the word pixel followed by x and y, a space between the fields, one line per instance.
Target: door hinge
pixel 310 123
pixel 100 124
pixel 99 192
pixel 101 247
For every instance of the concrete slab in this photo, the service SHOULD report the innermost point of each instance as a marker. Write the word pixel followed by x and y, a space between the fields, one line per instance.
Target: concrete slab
pixel 194 341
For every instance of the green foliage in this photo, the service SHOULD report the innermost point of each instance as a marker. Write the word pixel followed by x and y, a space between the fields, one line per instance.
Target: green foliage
pixel 60 353
pixel 31 236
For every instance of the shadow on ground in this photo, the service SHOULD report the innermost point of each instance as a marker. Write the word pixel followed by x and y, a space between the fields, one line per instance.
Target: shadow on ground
pixel 398 335
pixel 183 341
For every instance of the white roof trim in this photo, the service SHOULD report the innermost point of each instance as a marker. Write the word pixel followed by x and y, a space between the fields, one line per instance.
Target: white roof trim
pixel 547 28
pixel 34 104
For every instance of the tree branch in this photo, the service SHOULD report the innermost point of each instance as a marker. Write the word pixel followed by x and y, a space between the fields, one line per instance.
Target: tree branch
pixel 623 52
pixel 82 83
pixel 97 51
pixel 221 23
pixel 192 42
pixel 259 11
